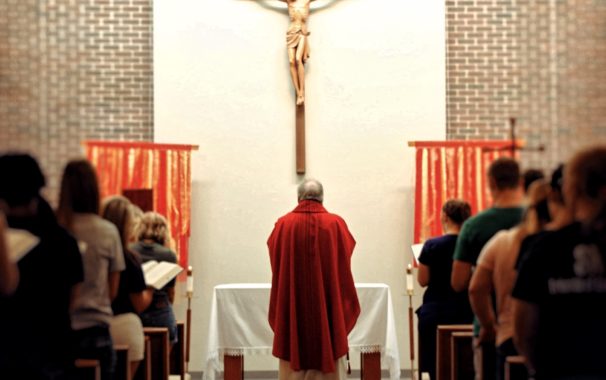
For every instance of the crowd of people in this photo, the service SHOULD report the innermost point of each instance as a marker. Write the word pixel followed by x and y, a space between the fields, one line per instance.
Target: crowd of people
pixel 529 272
pixel 532 268
pixel 81 289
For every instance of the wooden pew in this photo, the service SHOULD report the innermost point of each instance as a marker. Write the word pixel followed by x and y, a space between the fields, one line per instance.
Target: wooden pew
pixel 159 352
pixel 177 353
pixel 87 369
pixel 515 368
pixel 122 364
pixel 144 369
pixel 443 348
pixel 461 356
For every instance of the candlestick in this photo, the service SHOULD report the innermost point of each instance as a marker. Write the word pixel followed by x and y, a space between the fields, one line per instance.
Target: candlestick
pixel 190 281
pixel 409 279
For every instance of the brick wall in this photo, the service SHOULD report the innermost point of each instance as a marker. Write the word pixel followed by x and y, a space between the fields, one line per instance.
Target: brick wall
pixel 72 70
pixel 541 61
pixel 82 69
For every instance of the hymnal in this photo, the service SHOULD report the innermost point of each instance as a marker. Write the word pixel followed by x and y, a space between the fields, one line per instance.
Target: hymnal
pixel 19 243
pixel 158 274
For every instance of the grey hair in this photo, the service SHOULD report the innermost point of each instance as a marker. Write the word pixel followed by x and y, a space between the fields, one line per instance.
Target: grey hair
pixel 310 189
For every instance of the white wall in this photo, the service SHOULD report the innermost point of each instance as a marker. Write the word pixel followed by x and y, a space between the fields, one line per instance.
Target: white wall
pixel 375 80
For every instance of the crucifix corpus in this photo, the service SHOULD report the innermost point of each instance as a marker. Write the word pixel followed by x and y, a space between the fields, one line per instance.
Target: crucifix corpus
pixel 298 52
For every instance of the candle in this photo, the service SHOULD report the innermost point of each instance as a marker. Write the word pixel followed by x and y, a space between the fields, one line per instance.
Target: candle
pixel 190 280
pixel 409 283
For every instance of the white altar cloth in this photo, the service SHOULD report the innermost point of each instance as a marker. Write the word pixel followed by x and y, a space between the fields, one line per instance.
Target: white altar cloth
pixel 238 325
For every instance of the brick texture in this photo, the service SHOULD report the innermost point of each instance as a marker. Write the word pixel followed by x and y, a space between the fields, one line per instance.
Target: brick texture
pixel 72 70
pixel 83 69
pixel 542 62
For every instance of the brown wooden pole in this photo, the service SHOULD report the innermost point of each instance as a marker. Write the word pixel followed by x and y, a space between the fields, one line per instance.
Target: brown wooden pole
pixel 412 337
pixel 300 138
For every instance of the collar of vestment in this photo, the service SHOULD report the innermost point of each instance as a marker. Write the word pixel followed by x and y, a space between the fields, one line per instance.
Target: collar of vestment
pixel 309 205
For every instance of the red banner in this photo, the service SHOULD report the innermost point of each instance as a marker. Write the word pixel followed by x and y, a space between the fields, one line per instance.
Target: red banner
pixel 447 170
pixel 164 168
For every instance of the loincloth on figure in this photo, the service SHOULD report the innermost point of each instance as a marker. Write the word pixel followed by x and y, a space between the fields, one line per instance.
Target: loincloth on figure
pixel 293 38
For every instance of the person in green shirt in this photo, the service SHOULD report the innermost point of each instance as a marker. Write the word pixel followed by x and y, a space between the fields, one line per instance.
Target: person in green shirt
pixel 504 182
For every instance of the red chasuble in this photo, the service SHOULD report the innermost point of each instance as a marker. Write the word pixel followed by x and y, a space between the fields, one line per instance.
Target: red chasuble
pixel 313 304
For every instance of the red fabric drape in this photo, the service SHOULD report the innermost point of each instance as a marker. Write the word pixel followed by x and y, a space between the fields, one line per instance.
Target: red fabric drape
pixel 165 168
pixel 451 169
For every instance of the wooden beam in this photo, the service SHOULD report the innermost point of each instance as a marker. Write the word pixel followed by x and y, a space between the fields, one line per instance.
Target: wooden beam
pixel 300 138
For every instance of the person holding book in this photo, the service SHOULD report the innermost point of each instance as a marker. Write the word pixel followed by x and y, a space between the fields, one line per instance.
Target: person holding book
pixel 35 326
pixel 133 294
pixel 153 238
pixel 441 304
pixel 103 261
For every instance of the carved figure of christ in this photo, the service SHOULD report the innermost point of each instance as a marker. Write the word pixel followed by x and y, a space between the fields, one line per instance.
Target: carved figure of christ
pixel 298 44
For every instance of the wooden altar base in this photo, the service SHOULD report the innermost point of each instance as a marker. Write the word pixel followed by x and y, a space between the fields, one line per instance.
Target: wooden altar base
pixel 233 366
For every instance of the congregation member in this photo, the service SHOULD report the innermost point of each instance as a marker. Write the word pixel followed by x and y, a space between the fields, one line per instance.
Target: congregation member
pixel 561 286
pixel 495 272
pixel 554 207
pixel 133 295
pixel 313 300
pixel 103 260
pixel 504 185
pixel 441 304
pixel 35 325
pixel 153 239
pixel 531 175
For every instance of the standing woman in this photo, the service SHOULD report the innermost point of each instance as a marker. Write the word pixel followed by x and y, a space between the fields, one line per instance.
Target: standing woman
pixel 153 236
pixel 102 259
pixel 441 304
pixel 133 295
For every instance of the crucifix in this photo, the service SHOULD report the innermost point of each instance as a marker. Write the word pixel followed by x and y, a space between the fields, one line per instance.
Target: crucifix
pixel 297 44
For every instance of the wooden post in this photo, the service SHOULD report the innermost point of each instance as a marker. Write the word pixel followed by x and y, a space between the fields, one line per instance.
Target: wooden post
pixel 300 138
pixel 233 367
pixel 370 366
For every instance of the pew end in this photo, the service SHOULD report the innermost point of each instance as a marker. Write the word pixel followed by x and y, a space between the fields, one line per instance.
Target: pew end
pixel 87 369
pixel 515 368
pixel 444 349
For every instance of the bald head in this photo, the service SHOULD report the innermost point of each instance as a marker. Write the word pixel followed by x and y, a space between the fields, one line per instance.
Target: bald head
pixel 310 189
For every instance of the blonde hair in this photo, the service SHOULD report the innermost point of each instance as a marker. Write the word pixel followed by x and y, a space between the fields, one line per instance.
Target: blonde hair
pixel 153 226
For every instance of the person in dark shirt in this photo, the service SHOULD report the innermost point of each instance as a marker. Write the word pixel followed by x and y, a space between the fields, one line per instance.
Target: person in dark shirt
pixel 441 304
pixel 561 286
pixel 35 328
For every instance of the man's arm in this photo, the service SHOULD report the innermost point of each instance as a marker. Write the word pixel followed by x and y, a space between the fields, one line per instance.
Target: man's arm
pixel 460 276
pixel 525 327
pixel 480 297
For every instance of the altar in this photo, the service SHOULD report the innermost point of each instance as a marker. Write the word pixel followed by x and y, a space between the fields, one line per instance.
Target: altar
pixel 238 328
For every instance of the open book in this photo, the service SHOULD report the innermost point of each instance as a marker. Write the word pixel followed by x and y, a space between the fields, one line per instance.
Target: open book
pixel 158 274
pixel 19 243
pixel 416 251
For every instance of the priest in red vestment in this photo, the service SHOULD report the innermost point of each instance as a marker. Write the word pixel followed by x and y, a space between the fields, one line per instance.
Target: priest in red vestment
pixel 313 304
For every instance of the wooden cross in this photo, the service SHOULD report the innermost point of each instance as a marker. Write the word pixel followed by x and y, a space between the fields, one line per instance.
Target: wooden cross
pixel 298 52
pixel 514 144
pixel 300 138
